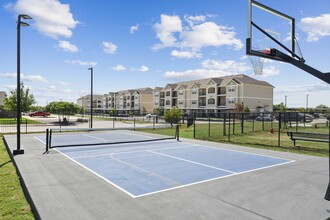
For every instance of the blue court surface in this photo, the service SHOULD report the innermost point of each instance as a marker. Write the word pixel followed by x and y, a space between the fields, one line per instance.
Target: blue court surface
pixel 140 169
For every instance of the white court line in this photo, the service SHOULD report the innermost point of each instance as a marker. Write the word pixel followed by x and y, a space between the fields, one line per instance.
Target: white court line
pixel 39 140
pixel 186 185
pixel 190 161
pixel 207 180
pixel 128 152
pixel 145 171
pixel 103 178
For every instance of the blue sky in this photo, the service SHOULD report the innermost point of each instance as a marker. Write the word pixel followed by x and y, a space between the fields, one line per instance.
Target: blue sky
pixel 133 44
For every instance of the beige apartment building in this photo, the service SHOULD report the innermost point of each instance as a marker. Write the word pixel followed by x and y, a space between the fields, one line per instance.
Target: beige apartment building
pixel 131 101
pixel 215 95
pixel 85 103
pixel 2 98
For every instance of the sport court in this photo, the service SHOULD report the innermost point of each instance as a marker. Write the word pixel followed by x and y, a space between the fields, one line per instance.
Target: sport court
pixel 143 168
pixel 59 188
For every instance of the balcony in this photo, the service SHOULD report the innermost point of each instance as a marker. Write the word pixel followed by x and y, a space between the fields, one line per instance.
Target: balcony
pixel 221 90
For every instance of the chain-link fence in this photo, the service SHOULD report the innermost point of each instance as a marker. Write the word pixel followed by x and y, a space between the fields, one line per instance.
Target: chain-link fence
pixel 267 129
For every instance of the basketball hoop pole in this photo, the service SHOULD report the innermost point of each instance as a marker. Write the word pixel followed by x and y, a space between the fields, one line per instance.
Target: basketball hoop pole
pixel 327 194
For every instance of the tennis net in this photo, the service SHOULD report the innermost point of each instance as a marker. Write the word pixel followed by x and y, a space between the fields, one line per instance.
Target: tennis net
pixel 71 137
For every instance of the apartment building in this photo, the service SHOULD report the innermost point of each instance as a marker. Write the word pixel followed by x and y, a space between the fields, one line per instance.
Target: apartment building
pixel 2 98
pixel 85 103
pixel 214 95
pixel 131 101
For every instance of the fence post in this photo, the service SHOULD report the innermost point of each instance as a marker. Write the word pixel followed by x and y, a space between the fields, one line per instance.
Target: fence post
pixel 242 124
pixel 209 132
pixel 252 122
pixel 234 123
pixel 229 127
pixel 263 121
pixel 224 124
pixel 279 129
pixel 134 123
pixel 194 120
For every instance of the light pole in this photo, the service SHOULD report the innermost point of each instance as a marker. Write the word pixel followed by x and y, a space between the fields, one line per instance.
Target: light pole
pixel 18 92
pixel 91 123
pixel 307 102
pixel 285 100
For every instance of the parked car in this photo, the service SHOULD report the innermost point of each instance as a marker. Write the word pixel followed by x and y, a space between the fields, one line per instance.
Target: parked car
pixel 151 116
pixel 265 117
pixel 39 113
pixel 296 116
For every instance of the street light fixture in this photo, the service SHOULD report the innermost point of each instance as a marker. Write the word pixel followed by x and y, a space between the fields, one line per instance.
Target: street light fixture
pixel 91 120
pixel 18 92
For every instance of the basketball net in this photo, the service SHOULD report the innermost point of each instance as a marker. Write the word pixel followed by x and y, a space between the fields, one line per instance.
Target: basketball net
pixel 257 64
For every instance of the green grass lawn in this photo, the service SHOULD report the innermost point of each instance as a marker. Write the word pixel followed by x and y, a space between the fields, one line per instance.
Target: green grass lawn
pixel 13 204
pixel 259 139
pixel 9 121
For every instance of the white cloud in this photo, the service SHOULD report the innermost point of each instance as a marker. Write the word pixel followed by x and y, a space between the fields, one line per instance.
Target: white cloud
pixel 194 19
pixel 133 28
pixel 210 68
pixel 61 83
pixel 33 78
pixel 316 27
pixel 51 17
pixel 197 34
pixel 186 54
pixel 119 67
pixel 142 69
pixel 109 47
pixel 303 89
pixel 165 30
pixel 228 65
pixel 67 46
pixel 82 63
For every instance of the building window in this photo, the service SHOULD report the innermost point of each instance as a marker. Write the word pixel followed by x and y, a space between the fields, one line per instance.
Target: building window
pixel 168 102
pixel 211 101
pixel 193 102
pixel 168 93
pixel 211 90
pixel 231 100
pixel 231 89
pixel 180 102
pixel 194 91
pixel 156 103
pixel 180 92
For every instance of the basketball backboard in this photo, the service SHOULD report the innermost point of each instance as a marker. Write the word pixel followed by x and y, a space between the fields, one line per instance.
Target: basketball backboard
pixel 269 29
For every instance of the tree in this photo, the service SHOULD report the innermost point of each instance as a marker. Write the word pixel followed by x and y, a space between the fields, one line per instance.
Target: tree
pixel 239 107
pixel 322 108
pixel 27 100
pixel 63 109
pixel 280 107
pixel 173 115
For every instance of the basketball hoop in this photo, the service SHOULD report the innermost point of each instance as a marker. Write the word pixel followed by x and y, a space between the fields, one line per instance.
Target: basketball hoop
pixel 257 64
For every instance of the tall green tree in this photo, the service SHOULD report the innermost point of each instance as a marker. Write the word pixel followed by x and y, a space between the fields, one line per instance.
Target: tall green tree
pixel 63 109
pixel 173 115
pixel 27 100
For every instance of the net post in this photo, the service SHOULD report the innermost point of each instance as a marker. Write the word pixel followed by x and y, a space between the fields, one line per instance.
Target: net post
pixel 177 132
pixel 47 135
pixel 50 139
pixel 153 123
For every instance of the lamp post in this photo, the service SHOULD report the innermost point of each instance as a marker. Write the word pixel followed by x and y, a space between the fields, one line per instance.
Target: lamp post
pixel 18 92
pixel 285 100
pixel 91 123
pixel 307 102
